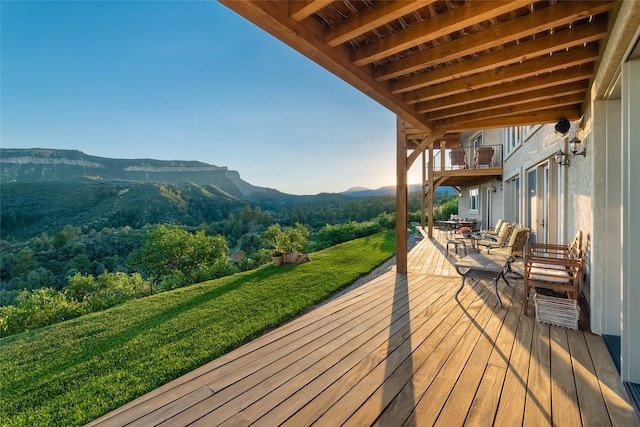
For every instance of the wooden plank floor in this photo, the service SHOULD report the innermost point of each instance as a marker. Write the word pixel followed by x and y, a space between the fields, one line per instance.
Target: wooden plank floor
pixel 401 351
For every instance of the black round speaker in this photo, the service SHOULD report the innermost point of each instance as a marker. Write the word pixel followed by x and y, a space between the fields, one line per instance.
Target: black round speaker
pixel 563 126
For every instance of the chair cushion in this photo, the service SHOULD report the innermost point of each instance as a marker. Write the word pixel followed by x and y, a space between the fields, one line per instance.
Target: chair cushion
pixel 493 243
pixel 549 273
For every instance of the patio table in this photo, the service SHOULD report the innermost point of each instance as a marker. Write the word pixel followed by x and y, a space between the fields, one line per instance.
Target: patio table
pixel 471 239
pixel 485 267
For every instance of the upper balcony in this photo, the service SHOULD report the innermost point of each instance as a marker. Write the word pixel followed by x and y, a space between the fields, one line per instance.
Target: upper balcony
pixel 464 165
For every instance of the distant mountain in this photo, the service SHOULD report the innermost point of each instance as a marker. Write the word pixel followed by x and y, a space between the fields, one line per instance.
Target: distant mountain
pixel 45 165
pixel 44 189
pixel 389 190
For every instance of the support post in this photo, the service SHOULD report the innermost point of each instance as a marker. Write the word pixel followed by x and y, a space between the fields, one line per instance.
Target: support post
pixel 430 199
pixel 423 193
pixel 401 198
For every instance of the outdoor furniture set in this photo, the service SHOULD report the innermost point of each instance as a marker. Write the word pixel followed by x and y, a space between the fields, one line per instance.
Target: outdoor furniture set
pixel 496 258
pixel 482 157
pixel 554 271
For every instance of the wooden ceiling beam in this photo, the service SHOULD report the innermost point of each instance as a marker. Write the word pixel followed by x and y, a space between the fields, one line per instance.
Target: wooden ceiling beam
pixel 546 104
pixel 553 16
pixel 515 71
pixel 570 75
pixel 367 20
pixel 511 100
pixel 532 68
pixel 299 10
pixel 534 118
pixel 512 54
pixel 439 26
pixel 307 38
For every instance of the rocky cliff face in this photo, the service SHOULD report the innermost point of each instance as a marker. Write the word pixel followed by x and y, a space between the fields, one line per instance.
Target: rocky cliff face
pixel 41 165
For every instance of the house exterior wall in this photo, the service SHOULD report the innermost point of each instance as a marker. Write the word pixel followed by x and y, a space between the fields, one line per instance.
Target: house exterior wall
pixel 630 339
pixel 489 190
pixel 611 119
pixel 606 277
pixel 597 194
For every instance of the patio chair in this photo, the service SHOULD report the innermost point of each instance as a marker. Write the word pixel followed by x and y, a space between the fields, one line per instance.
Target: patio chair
pixel 561 274
pixel 554 267
pixel 493 235
pixel 514 249
pixel 505 231
pixel 495 230
pixel 483 156
pixel 573 249
pixel 458 158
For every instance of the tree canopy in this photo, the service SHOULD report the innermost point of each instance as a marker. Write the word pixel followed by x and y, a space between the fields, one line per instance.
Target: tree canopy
pixel 173 255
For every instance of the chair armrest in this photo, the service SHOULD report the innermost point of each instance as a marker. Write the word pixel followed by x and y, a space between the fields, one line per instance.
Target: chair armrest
pixel 547 246
pixel 550 253
pixel 567 262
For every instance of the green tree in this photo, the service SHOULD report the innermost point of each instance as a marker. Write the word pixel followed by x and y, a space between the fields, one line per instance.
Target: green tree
pixel 170 252
pixel 67 233
pixel 25 263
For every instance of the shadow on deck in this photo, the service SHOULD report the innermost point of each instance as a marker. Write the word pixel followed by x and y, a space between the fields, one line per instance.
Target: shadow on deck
pixel 400 350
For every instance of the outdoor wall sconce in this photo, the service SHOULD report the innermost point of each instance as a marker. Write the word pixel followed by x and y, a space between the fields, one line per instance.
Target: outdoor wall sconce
pixel 561 158
pixel 574 146
pixel 562 127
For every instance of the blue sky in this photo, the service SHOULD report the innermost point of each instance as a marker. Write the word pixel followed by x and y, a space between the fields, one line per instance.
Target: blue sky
pixel 185 81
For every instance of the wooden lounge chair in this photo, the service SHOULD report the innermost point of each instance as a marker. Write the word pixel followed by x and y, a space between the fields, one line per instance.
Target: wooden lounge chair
pixel 458 158
pixel 483 156
pixel 573 249
pixel 555 267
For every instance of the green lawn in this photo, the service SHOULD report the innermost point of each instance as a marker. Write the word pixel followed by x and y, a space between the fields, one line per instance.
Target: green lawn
pixel 73 372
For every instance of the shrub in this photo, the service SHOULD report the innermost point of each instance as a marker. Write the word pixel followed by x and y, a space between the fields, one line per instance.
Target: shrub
pixel 283 240
pixel 170 249
pixel 36 309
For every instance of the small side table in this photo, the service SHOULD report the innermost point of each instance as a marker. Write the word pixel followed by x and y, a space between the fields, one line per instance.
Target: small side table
pixel 480 266
pixel 456 243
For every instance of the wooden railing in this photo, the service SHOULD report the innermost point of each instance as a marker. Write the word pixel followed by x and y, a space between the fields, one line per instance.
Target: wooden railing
pixel 487 156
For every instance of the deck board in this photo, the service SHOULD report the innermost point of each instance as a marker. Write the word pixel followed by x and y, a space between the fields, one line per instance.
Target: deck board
pixel 400 350
pixel 537 411
pixel 463 392
pixel 565 411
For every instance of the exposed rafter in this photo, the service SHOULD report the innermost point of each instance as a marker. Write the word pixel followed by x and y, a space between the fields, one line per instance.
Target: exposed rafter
pixel 448 66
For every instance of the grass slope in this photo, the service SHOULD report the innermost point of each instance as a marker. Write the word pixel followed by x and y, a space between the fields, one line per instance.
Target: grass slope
pixel 73 372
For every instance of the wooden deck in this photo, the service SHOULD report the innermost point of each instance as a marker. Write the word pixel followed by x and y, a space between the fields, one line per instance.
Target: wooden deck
pixel 400 350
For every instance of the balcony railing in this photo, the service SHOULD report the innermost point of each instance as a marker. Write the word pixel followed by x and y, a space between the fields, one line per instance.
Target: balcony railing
pixel 484 157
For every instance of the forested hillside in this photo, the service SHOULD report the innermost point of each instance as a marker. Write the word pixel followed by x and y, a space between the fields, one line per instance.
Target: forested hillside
pixel 29 209
pixel 69 240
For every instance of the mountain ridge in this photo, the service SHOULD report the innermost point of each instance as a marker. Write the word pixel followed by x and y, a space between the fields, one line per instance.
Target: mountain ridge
pixel 50 164
pixel 389 190
pixel 43 164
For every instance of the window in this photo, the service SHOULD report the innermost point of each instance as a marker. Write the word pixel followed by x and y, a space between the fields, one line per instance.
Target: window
pixel 474 200
pixel 512 200
pixel 512 138
pixel 476 141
